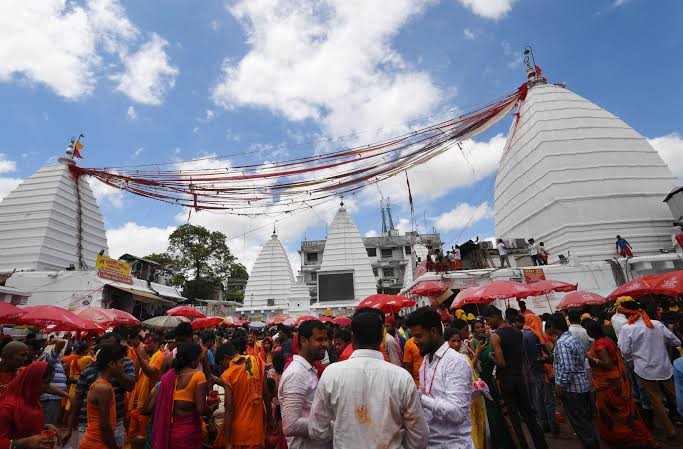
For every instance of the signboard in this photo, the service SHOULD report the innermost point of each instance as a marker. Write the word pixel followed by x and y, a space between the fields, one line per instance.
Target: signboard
pixel 533 275
pixel 459 284
pixel 114 270
pixel 328 312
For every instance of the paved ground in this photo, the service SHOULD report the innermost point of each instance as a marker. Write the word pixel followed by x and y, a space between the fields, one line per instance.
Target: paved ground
pixel 568 439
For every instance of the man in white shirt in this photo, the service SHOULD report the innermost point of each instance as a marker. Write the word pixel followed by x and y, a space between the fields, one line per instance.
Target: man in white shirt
pixel 445 383
pixel 365 402
pixel 298 385
pixel 647 342
pixel 577 331
pixel 503 254
pixel 533 252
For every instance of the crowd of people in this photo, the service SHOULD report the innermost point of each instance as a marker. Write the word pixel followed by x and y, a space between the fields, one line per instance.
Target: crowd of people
pixel 416 381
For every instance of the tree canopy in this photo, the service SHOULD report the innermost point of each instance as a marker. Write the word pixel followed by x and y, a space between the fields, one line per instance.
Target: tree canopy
pixel 201 262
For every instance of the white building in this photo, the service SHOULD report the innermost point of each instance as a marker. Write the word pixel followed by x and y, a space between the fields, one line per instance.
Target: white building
pixel 345 276
pixel 574 176
pixel 42 219
pixel 270 282
pixel 51 232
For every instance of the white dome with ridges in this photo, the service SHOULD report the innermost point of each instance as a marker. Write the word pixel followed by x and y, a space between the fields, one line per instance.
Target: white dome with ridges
pixel 574 176
pixel 271 277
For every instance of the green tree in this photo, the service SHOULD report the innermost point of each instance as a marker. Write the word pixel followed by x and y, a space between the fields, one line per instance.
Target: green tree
pixel 201 261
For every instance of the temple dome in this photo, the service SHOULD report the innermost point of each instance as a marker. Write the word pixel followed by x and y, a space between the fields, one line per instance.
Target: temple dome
pixel 574 176
pixel 271 277
pixel 39 224
pixel 345 251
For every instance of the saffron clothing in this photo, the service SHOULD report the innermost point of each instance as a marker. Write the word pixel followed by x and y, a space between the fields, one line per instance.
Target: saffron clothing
pixel 93 433
pixel 187 392
pixel 74 369
pixel 245 375
pixel 21 415
pixel 143 388
pixel 619 422
pixel 411 354
pixel 175 432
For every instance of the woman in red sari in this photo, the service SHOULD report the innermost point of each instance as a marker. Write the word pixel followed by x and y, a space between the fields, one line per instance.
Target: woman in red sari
pixel 619 421
pixel 22 421
pixel 180 401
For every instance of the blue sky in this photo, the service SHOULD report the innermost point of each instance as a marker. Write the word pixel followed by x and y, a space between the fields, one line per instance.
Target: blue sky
pixel 150 84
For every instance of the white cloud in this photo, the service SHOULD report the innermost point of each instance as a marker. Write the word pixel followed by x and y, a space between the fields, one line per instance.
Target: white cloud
pixel 138 240
pixel 132 113
pixel 448 171
pixel 148 73
pixel 371 233
pixel 469 34
pixel 106 194
pixel 209 115
pixel 6 166
pixel 670 148
pixel 489 9
pixel 63 44
pixel 463 216
pixel 331 62
pixel 7 185
pixel 138 152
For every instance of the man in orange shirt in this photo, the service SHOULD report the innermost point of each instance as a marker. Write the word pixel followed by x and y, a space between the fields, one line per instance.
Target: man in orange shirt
pixel 412 360
pixel 244 424
pixel 151 359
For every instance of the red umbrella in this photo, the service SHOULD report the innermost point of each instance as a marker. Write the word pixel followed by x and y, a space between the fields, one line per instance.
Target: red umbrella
pixel 303 318
pixel 209 321
pixel 289 322
pixel 9 313
pixel 548 285
pixel 342 321
pixel 428 288
pixel 462 297
pixel 186 311
pixel 277 319
pixel 122 318
pixel 386 303
pixel 669 284
pixel 44 316
pixel 499 290
pixel 639 286
pixel 326 319
pixel 580 299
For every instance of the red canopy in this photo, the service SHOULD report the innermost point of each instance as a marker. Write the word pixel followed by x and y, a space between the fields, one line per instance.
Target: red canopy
pixel 499 290
pixel 549 285
pixel 326 319
pixel 303 318
pixel 277 319
pixel 44 316
pixel 342 321
pixel 462 297
pixel 428 288
pixel 186 311
pixel 123 318
pixel 386 303
pixel 9 313
pixel 639 286
pixel 209 321
pixel 580 299
pixel 670 284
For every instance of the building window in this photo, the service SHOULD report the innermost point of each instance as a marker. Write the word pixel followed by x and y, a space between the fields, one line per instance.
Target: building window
pixel 387 272
pixel 407 250
pixel 372 252
pixel 311 257
pixel 271 301
pixel 387 253
pixel 374 271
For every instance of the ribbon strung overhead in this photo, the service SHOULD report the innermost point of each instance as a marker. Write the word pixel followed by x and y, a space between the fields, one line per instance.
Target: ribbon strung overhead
pixel 301 183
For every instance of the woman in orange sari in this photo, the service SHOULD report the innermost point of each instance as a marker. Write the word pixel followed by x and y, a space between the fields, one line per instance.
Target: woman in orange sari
pixel 619 421
pixel 266 352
